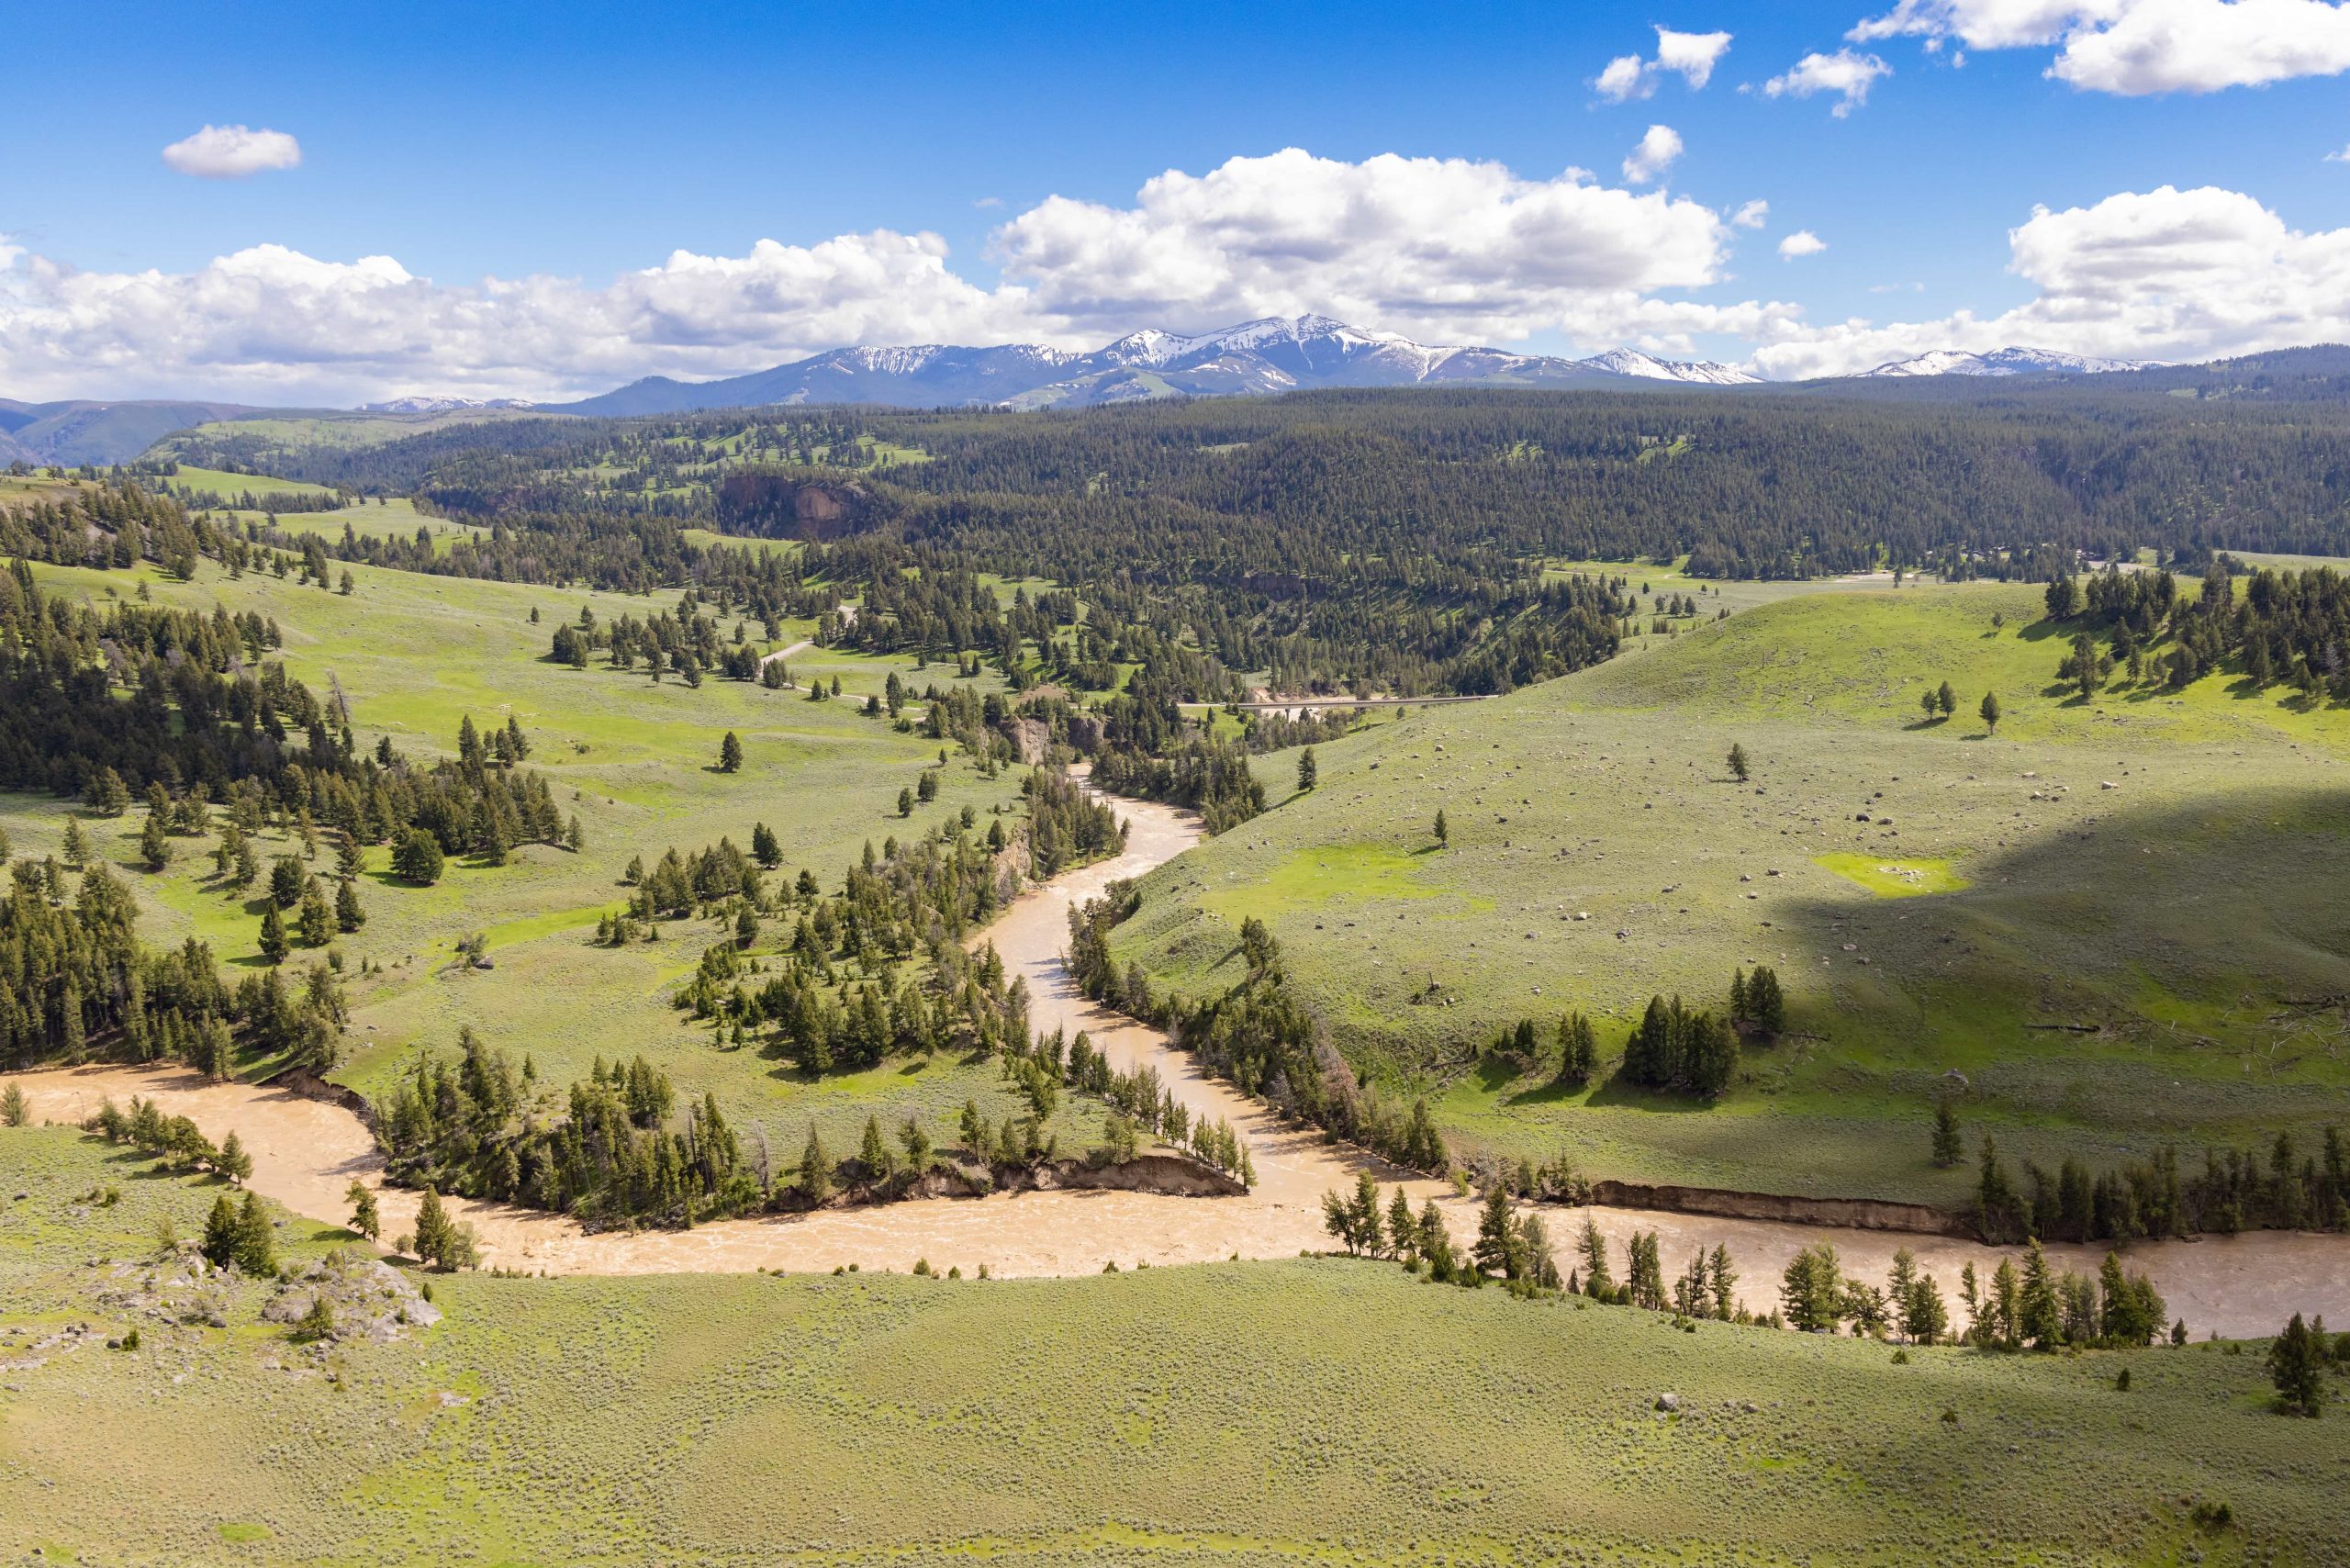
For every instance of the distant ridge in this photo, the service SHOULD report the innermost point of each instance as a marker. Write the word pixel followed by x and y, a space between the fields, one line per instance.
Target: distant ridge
pixel 418 404
pixel 2008 362
pixel 1275 354
pixel 80 431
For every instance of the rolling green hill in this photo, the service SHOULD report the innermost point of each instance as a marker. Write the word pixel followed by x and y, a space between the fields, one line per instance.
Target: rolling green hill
pixel 633 758
pixel 1933 897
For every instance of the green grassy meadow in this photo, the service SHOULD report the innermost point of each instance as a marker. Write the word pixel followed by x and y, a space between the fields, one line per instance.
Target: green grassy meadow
pixel 1926 891
pixel 635 759
pixel 219 483
pixel 1311 1411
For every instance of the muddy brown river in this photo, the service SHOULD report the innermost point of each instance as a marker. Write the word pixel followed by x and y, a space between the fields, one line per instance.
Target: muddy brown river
pixel 307 1152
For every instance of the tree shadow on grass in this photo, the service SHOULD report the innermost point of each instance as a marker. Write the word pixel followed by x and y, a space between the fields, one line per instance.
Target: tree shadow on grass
pixel 1614 1091
pixel 1549 1091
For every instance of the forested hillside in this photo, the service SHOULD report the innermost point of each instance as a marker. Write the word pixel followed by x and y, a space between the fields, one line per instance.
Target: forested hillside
pixel 1373 541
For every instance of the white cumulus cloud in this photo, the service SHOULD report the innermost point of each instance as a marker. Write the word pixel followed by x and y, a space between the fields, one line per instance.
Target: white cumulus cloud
pixel 1751 215
pixel 1846 73
pixel 1446 250
pixel 1802 242
pixel 1655 153
pixel 1690 56
pixel 2138 47
pixel 232 151
pixel 1626 76
pixel 2166 274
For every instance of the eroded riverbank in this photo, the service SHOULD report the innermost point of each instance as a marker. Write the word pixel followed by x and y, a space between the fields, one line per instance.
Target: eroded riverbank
pixel 307 1152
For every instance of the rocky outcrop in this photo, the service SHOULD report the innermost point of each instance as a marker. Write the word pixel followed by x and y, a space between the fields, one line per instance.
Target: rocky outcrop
pixel 783 505
pixel 1030 738
pixel 366 1299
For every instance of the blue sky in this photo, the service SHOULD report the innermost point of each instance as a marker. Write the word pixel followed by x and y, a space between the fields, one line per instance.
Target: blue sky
pixel 582 143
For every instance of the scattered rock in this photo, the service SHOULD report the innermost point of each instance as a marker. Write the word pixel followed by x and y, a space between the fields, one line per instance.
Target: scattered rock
pixel 1668 1402
pixel 370 1299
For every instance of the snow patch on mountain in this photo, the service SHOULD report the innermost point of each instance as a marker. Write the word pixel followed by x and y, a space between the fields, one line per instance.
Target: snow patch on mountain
pixel 419 403
pixel 2008 362
pixel 1705 372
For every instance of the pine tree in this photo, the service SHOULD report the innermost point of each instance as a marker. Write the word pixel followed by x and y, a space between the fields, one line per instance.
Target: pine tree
pixel 255 1254
pixel 154 848
pixel 14 1114
pixel 1443 829
pixel 433 1228
pixel 219 1241
pixel 2038 1320
pixel 764 848
pixel 1948 1149
pixel 418 857
pixel 816 1169
pixel 1369 1227
pixel 274 946
pixel 1434 1241
pixel 1811 1291
pixel 1593 1249
pixel 1739 765
pixel 1766 1004
pixel 1578 1049
pixel 875 1154
pixel 1307 773
pixel 1402 1234
pixel 77 848
pixel 1946 699
pixel 2294 1361
pixel 1722 1280
pixel 232 1160
pixel 107 794
pixel 1924 1319
pixel 348 914
pixel 364 1217
pixel 730 754
pixel 1997 1212
pixel 1990 711
pixel 315 922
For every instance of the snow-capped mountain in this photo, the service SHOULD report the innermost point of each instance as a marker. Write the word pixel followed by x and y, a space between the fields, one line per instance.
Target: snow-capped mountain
pixel 1703 372
pixel 1277 354
pixel 2008 362
pixel 417 403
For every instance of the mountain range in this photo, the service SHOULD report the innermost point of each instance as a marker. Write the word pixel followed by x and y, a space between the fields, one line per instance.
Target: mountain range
pixel 1275 354
pixel 1263 358
pixel 418 404
pixel 2008 362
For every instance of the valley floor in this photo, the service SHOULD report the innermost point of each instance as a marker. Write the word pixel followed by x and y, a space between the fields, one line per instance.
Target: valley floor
pixel 307 1151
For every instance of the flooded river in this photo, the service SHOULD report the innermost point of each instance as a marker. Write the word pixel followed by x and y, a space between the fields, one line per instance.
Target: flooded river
pixel 307 1152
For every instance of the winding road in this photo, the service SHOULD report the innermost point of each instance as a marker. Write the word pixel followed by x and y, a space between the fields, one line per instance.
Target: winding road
pixel 305 1153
